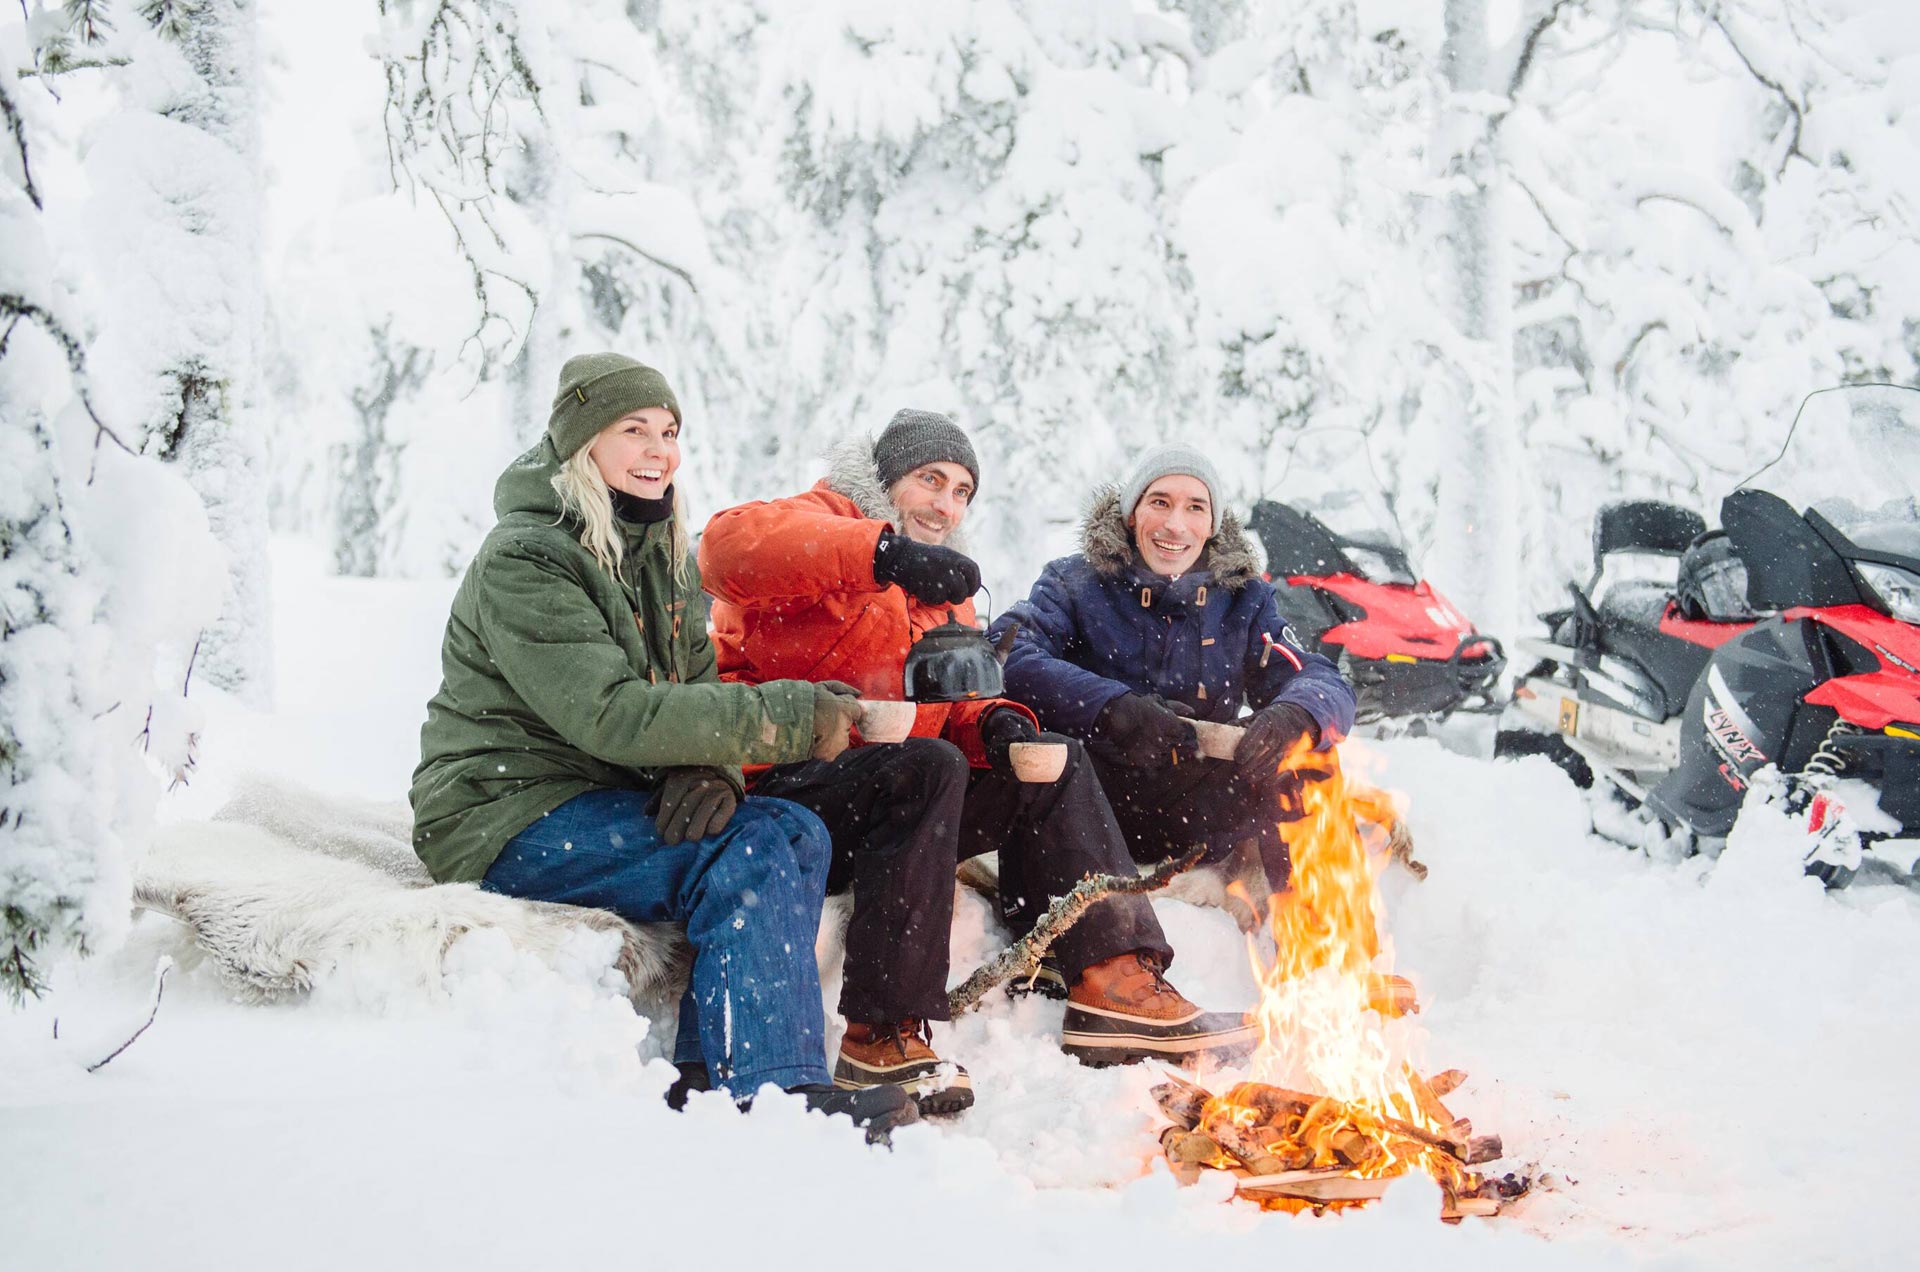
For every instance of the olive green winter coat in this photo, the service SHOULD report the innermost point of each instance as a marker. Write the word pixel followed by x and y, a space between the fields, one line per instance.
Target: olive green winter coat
pixel 556 679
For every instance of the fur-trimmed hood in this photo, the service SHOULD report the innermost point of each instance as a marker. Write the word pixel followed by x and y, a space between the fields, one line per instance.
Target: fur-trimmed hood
pixel 1108 543
pixel 851 472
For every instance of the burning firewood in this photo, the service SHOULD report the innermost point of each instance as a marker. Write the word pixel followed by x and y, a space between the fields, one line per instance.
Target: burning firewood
pixel 1189 1148
pixel 1428 1101
pixel 1324 1010
pixel 1289 1147
pixel 1483 1148
pixel 1022 958
pixel 1182 1101
pixel 1318 1185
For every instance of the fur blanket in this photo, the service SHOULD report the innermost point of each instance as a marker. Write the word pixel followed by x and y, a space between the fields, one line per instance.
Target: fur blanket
pixel 286 886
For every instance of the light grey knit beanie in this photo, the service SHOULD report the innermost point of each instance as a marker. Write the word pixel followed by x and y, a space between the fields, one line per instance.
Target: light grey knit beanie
pixel 1167 461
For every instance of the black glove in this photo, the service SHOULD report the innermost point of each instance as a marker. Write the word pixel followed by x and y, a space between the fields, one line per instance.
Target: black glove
pixel 1147 731
pixel 931 574
pixel 999 730
pixel 694 803
pixel 1271 733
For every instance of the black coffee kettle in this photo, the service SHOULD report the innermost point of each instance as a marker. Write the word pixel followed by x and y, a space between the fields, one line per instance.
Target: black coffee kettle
pixel 954 662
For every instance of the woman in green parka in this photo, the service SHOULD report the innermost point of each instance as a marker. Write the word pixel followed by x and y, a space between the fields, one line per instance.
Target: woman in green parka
pixel 582 750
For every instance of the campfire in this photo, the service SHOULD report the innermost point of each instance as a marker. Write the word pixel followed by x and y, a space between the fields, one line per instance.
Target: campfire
pixel 1334 1111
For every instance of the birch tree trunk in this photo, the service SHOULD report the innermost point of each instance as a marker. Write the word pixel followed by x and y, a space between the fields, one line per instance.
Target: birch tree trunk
pixel 1478 528
pixel 213 439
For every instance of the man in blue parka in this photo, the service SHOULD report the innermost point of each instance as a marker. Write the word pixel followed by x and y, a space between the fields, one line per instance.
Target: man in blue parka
pixel 1164 618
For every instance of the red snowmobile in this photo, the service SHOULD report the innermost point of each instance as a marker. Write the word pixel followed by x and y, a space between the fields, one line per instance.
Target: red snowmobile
pixel 1779 654
pixel 1350 592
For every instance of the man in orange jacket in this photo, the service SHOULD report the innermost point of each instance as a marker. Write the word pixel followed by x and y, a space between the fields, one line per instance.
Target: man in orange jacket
pixel 836 584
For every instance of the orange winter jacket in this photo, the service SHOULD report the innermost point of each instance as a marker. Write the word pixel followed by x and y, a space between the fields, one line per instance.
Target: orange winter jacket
pixel 795 599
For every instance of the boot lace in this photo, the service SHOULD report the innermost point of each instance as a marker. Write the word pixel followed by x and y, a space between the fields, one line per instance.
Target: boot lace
pixel 1152 963
pixel 898 1034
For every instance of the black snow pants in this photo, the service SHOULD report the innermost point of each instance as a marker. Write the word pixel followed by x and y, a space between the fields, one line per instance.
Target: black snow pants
pixel 902 817
pixel 1164 810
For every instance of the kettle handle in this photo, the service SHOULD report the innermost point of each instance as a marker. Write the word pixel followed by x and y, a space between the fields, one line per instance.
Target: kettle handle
pixel 953 615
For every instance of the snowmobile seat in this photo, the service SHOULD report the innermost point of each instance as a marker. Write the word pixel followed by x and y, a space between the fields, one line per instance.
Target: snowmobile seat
pixel 1638 544
pixel 1629 629
pixel 1645 525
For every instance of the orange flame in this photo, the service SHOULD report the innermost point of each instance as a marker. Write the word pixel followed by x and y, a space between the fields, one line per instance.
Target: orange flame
pixel 1330 1013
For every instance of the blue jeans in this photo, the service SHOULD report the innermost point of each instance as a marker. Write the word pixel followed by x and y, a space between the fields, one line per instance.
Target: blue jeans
pixel 750 897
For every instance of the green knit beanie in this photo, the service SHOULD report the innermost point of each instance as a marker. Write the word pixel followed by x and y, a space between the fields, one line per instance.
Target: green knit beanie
pixel 598 388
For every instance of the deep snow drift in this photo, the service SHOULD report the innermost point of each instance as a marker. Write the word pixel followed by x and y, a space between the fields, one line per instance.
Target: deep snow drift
pixel 1711 1061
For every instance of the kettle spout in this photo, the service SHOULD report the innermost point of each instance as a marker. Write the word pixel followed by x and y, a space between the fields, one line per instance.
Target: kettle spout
pixel 1004 645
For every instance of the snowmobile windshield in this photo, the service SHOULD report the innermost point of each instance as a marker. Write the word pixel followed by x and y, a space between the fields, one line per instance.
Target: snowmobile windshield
pixel 1329 474
pixel 1379 562
pixel 1853 456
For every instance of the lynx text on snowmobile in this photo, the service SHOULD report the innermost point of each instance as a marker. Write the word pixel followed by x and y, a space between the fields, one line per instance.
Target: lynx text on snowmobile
pixel 1783 660
pixel 1346 584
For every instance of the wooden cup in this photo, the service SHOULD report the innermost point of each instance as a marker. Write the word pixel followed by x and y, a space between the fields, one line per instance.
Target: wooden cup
pixel 1218 741
pixel 1038 761
pixel 886 721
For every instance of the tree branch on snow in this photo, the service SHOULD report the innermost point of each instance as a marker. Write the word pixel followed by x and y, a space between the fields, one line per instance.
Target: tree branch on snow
pixel 159 988
pixel 1022 958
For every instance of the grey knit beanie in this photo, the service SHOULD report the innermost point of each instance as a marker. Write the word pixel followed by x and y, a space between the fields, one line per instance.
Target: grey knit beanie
pixel 1167 461
pixel 912 438
pixel 598 388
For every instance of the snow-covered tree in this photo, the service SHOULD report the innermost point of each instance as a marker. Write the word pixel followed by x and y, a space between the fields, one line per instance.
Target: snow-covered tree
pixel 983 186
pixel 540 136
pixel 175 218
pixel 107 572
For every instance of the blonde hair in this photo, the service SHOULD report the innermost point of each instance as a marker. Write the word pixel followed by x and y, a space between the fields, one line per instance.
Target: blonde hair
pixel 584 495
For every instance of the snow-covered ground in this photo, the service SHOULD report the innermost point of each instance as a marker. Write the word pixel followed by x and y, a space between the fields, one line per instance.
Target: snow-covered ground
pixel 1712 1063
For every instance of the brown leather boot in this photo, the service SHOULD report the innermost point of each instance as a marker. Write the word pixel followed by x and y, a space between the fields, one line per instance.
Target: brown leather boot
pixel 1123 1010
pixel 901 1056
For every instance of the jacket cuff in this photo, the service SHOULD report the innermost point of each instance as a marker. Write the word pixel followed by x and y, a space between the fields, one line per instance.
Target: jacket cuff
pixel 786 734
pixel 1328 718
pixel 866 536
pixel 963 726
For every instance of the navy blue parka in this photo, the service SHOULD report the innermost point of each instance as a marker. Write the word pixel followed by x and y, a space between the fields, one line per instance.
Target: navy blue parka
pixel 1101 624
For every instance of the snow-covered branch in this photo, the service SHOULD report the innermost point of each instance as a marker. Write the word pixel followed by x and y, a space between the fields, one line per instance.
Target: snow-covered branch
pixel 454 73
pixel 17 129
pixel 20 307
pixel 1743 45
pixel 1537 19
pixel 1719 205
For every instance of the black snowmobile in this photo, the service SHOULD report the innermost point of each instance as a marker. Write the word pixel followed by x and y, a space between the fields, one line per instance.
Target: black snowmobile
pixel 1780 654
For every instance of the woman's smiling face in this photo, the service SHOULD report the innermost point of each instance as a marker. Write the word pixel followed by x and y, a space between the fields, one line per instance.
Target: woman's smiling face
pixel 638 453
